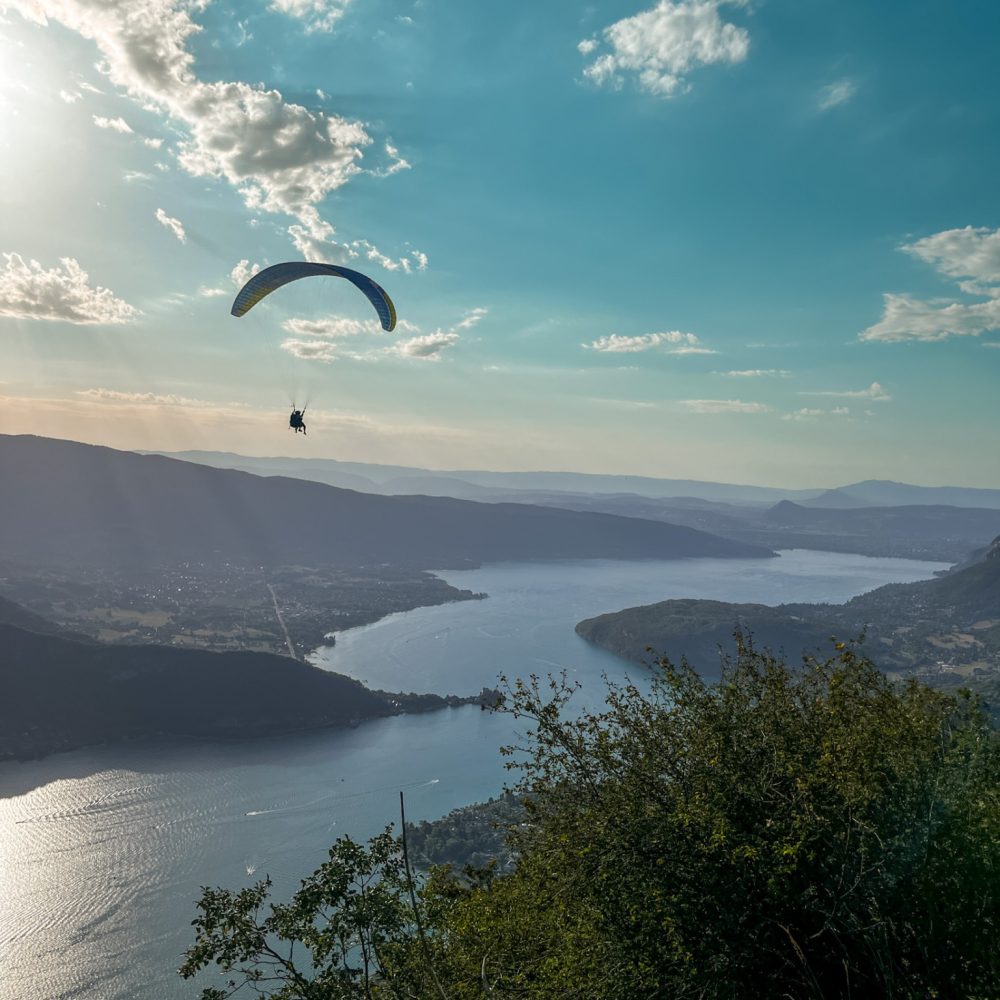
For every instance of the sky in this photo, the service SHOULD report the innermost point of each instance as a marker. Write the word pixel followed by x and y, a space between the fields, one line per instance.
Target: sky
pixel 751 242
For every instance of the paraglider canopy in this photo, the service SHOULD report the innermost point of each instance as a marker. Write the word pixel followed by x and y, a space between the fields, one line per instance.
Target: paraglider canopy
pixel 276 275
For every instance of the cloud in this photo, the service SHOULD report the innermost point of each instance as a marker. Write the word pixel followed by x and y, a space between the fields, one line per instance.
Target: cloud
pixel 280 156
pixel 317 15
pixel 430 346
pixel 212 293
pixel 839 92
pixel 874 392
pixel 971 253
pixel 313 238
pixel 30 291
pixel 311 350
pixel 757 373
pixel 971 258
pixel 810 413
pixel 243 272
pixel 153 143
pixel 907 318
pixel 174 225
pixel 332 327
pixel 103 395
pixel 398 162
pixel 115 124
pixel 723 406
pixel 660 46
pixel 674 341
pixel 322 339
pixel 427 347
pixel 471 318
pixel 70 97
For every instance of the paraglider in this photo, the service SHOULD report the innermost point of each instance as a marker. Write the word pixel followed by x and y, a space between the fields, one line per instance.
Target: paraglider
pixel 273 277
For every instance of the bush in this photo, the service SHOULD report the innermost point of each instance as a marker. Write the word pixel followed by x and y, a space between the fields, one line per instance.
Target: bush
pixel 809 832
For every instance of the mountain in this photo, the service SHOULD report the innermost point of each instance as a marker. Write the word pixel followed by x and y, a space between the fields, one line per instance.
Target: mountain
pixel 696 630
pixel 885 493
pixel 64 504
pixel 920 532
pixel 325 470
pixel 344 475
pixel 974 591
pixel 60 693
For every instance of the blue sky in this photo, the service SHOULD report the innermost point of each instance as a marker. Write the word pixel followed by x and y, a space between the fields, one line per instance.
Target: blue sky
pixel 753 242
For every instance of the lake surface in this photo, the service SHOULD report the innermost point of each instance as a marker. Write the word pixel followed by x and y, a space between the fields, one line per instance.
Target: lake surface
pixel 103 852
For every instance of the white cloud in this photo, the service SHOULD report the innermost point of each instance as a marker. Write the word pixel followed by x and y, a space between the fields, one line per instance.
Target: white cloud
pixel 332 327
pixel 811 413
pixel 471 318
pixel 323 339
pixel 398 162
pixel 212 293
pixel 30 291
pixel 874 392
pixel 314 240
pixel 153 143
pixel 103 395
pixel 115 124
pixel 311 350
pixel 907 318
pixel 970 253
pixel 660 46
pixel 136 175
pixel 280 156
pixel 839 92
pixel 723 406
pixel 427 347
pixel 70 97
pixel 174 225
pixel 673 341
pixel 372 253
pixel 243 272
pixel 971 258
pixel 318 15
pixel 757 373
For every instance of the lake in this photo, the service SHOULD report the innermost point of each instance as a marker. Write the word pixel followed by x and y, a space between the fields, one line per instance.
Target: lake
pixel 103 851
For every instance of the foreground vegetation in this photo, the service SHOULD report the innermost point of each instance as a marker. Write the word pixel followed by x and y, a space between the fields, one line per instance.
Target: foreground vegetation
pixel 808 832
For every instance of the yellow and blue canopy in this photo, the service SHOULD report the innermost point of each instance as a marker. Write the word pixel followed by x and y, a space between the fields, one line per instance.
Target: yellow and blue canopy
pixel 266 281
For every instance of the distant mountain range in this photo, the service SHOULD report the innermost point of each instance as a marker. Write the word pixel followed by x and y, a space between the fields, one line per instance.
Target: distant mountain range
pixel 885 493
pixel 65 504
pixel 480 484
pixel 875 518
pixel 483 485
